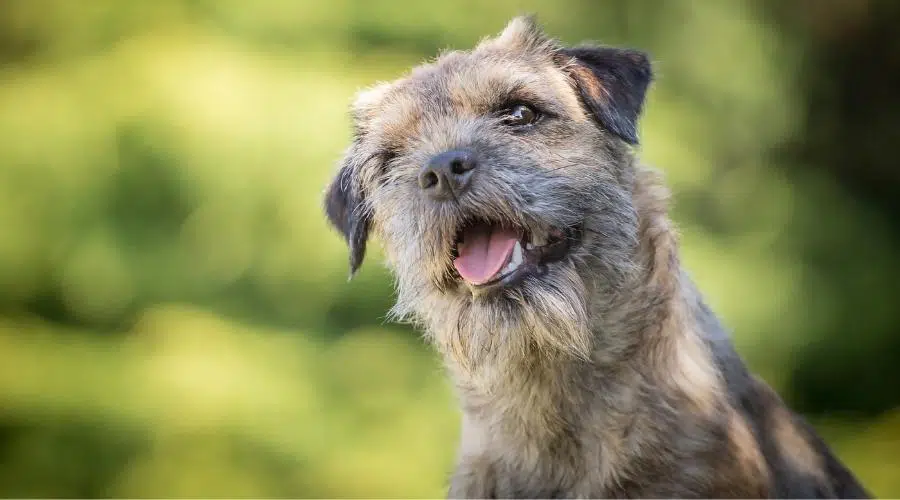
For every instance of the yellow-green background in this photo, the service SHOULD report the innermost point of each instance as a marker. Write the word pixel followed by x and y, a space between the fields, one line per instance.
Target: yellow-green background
pixel 175 318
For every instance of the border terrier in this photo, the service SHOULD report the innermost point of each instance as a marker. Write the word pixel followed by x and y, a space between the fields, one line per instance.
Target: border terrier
pixel 535 250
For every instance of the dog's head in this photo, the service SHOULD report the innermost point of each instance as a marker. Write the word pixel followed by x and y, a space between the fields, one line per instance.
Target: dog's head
pixel 498 181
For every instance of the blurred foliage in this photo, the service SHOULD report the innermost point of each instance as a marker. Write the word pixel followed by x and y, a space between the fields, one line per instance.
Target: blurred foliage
pixel 175 318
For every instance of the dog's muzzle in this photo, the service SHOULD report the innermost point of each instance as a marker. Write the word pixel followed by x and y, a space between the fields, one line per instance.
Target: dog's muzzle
pixel 487 254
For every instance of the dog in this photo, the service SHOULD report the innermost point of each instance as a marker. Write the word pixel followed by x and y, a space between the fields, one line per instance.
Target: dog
pixel 534 249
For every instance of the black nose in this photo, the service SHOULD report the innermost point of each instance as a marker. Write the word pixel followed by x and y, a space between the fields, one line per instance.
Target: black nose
pixel 448 174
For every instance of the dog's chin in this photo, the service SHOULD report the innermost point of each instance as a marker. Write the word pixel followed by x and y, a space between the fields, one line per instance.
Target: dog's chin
pixel 488 258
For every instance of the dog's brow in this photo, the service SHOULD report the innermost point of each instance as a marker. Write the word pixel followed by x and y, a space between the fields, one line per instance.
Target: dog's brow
pixel 499 93
pixel 522 93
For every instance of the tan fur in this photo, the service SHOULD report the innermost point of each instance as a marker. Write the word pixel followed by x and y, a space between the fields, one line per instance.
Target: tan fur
pixel 682 358
pixel 793 445
pixel 590 84
pixel 749 461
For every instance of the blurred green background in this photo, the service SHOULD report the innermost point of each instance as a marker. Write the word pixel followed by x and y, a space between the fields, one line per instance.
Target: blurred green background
pixel 175 318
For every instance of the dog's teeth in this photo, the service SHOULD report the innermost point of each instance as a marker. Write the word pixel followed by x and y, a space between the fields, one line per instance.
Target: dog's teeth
pixel 516 259
pixel 529 246
pixel 540 239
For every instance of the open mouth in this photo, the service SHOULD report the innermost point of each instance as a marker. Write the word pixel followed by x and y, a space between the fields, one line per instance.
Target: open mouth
pixel 489 254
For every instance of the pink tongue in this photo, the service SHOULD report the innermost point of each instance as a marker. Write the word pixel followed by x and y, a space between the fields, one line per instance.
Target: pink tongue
pixel 483 252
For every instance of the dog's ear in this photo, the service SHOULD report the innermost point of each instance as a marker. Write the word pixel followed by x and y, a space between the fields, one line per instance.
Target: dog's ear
pixel 612 83
pixel 522 33
pixel 346 210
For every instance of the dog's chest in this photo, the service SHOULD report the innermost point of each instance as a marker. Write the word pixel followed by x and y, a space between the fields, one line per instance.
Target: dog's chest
pixel 528 461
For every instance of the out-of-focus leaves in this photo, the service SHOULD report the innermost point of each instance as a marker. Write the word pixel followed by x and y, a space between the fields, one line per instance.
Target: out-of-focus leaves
pixel 175 318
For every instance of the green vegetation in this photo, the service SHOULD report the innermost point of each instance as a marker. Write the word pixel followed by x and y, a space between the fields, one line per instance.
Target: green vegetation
pixel 175 318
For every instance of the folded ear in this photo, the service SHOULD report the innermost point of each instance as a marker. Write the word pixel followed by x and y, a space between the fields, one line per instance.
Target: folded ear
pixel 612 83
pixel 347 212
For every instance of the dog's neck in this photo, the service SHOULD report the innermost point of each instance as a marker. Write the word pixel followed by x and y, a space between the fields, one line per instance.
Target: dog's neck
pixel 645 341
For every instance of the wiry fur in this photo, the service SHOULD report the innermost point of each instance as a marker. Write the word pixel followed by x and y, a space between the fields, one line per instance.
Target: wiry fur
pixel 605 375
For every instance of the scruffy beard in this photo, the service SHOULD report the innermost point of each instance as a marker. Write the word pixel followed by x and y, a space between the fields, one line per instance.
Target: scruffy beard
pixel 543 315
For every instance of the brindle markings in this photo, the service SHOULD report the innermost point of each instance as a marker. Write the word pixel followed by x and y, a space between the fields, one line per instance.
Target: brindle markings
pixel 602 374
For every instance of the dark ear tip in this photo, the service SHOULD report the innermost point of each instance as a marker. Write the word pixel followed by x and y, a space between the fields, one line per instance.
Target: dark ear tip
pixel 642 62
pixel 638 61
pixel 336 205
pixel 638 57
pixel 355 263
pixel 342 207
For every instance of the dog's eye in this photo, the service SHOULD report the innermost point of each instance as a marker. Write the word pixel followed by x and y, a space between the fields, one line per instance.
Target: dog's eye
pixel 519 115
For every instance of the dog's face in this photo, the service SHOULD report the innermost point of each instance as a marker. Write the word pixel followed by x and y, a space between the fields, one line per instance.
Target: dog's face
pixel 498 181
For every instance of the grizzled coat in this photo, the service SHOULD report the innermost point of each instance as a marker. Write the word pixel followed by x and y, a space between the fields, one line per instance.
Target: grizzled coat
pixel 598 374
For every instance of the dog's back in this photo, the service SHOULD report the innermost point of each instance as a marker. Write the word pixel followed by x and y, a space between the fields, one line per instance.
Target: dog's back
pixel 800 464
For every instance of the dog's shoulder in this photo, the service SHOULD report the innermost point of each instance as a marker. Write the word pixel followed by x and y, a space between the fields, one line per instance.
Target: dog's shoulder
pixel 800 464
